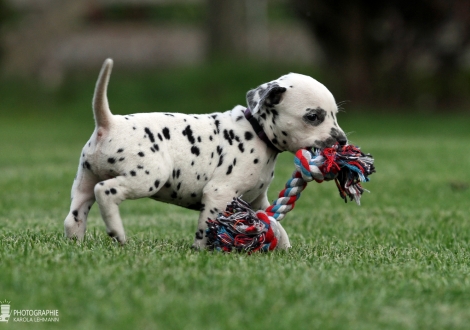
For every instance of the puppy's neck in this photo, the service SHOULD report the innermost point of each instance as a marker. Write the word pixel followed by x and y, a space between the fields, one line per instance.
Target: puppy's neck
pixel 259 130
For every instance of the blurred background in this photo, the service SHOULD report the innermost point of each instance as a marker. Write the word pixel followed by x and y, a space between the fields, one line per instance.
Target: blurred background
pixel 382 55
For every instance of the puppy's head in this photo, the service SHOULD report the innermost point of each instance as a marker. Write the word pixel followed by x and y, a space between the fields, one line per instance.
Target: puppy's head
pixel 296 111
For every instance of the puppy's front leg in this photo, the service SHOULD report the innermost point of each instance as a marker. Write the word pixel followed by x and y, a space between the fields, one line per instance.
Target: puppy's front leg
pixel 200 239
pixel 214 201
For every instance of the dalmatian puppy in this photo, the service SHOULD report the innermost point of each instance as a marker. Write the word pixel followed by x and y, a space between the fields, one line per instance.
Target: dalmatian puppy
pixel 200 162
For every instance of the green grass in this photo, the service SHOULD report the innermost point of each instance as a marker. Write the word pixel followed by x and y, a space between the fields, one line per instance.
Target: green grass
pixel 399 261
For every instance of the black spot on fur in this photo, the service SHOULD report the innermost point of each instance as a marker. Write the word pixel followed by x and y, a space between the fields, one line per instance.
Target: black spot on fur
pixel 156 184
pixel 248 136
pixel 241 147
pixel 133 173
pixel 174 194
pixel 284 133
pixel 178 186
pixel 121 159
pixel 252 151
pixel 160 137
pixel 199 234
pixel 75 213
pixel 227 136
pixel 217 123
pixel 262 185
pixel 199 139
pixel 166 133
pixel 229 170
pixel 120 150
pixel 221 160
pixel 140 167
pixel 113 191
pixel 193 195
pixel 150 134
pixel 107 192
pixel 239 118
pixel 195 150
pixel 156 147
pixel 210 137
pixel 87 165
pixel 111 160
pixel 178 172
pixel 219 150
pixel 189 134
pixel 256 161
pixel 141 154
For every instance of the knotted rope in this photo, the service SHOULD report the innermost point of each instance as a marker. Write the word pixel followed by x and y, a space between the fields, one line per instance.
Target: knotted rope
pixel 242 229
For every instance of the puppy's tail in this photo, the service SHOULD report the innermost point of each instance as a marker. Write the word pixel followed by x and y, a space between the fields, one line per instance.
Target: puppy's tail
pixel 101 111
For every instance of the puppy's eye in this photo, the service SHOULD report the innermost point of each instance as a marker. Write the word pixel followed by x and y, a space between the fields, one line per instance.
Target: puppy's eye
pixel 311 117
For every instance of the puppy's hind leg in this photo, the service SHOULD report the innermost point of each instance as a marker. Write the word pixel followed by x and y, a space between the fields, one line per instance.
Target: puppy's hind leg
pixel 83 198
pixel 110 193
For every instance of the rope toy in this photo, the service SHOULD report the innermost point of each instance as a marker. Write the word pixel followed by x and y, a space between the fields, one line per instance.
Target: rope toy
pixel 240 228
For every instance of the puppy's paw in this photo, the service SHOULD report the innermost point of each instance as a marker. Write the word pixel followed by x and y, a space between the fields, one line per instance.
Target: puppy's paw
pixel 200 242
pixel 121 239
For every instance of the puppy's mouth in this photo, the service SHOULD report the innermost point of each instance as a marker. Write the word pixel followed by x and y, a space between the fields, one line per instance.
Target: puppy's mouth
pixel 327 143
pixel 317 150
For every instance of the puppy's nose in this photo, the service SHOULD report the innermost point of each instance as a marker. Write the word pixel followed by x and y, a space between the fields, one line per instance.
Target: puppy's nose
pixel 342 140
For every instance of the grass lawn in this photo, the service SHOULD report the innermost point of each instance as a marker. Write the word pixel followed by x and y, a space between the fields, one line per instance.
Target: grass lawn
pixel 401 260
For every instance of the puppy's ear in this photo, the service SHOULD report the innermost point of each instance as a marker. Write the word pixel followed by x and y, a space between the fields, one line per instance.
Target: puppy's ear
pixel 267 94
